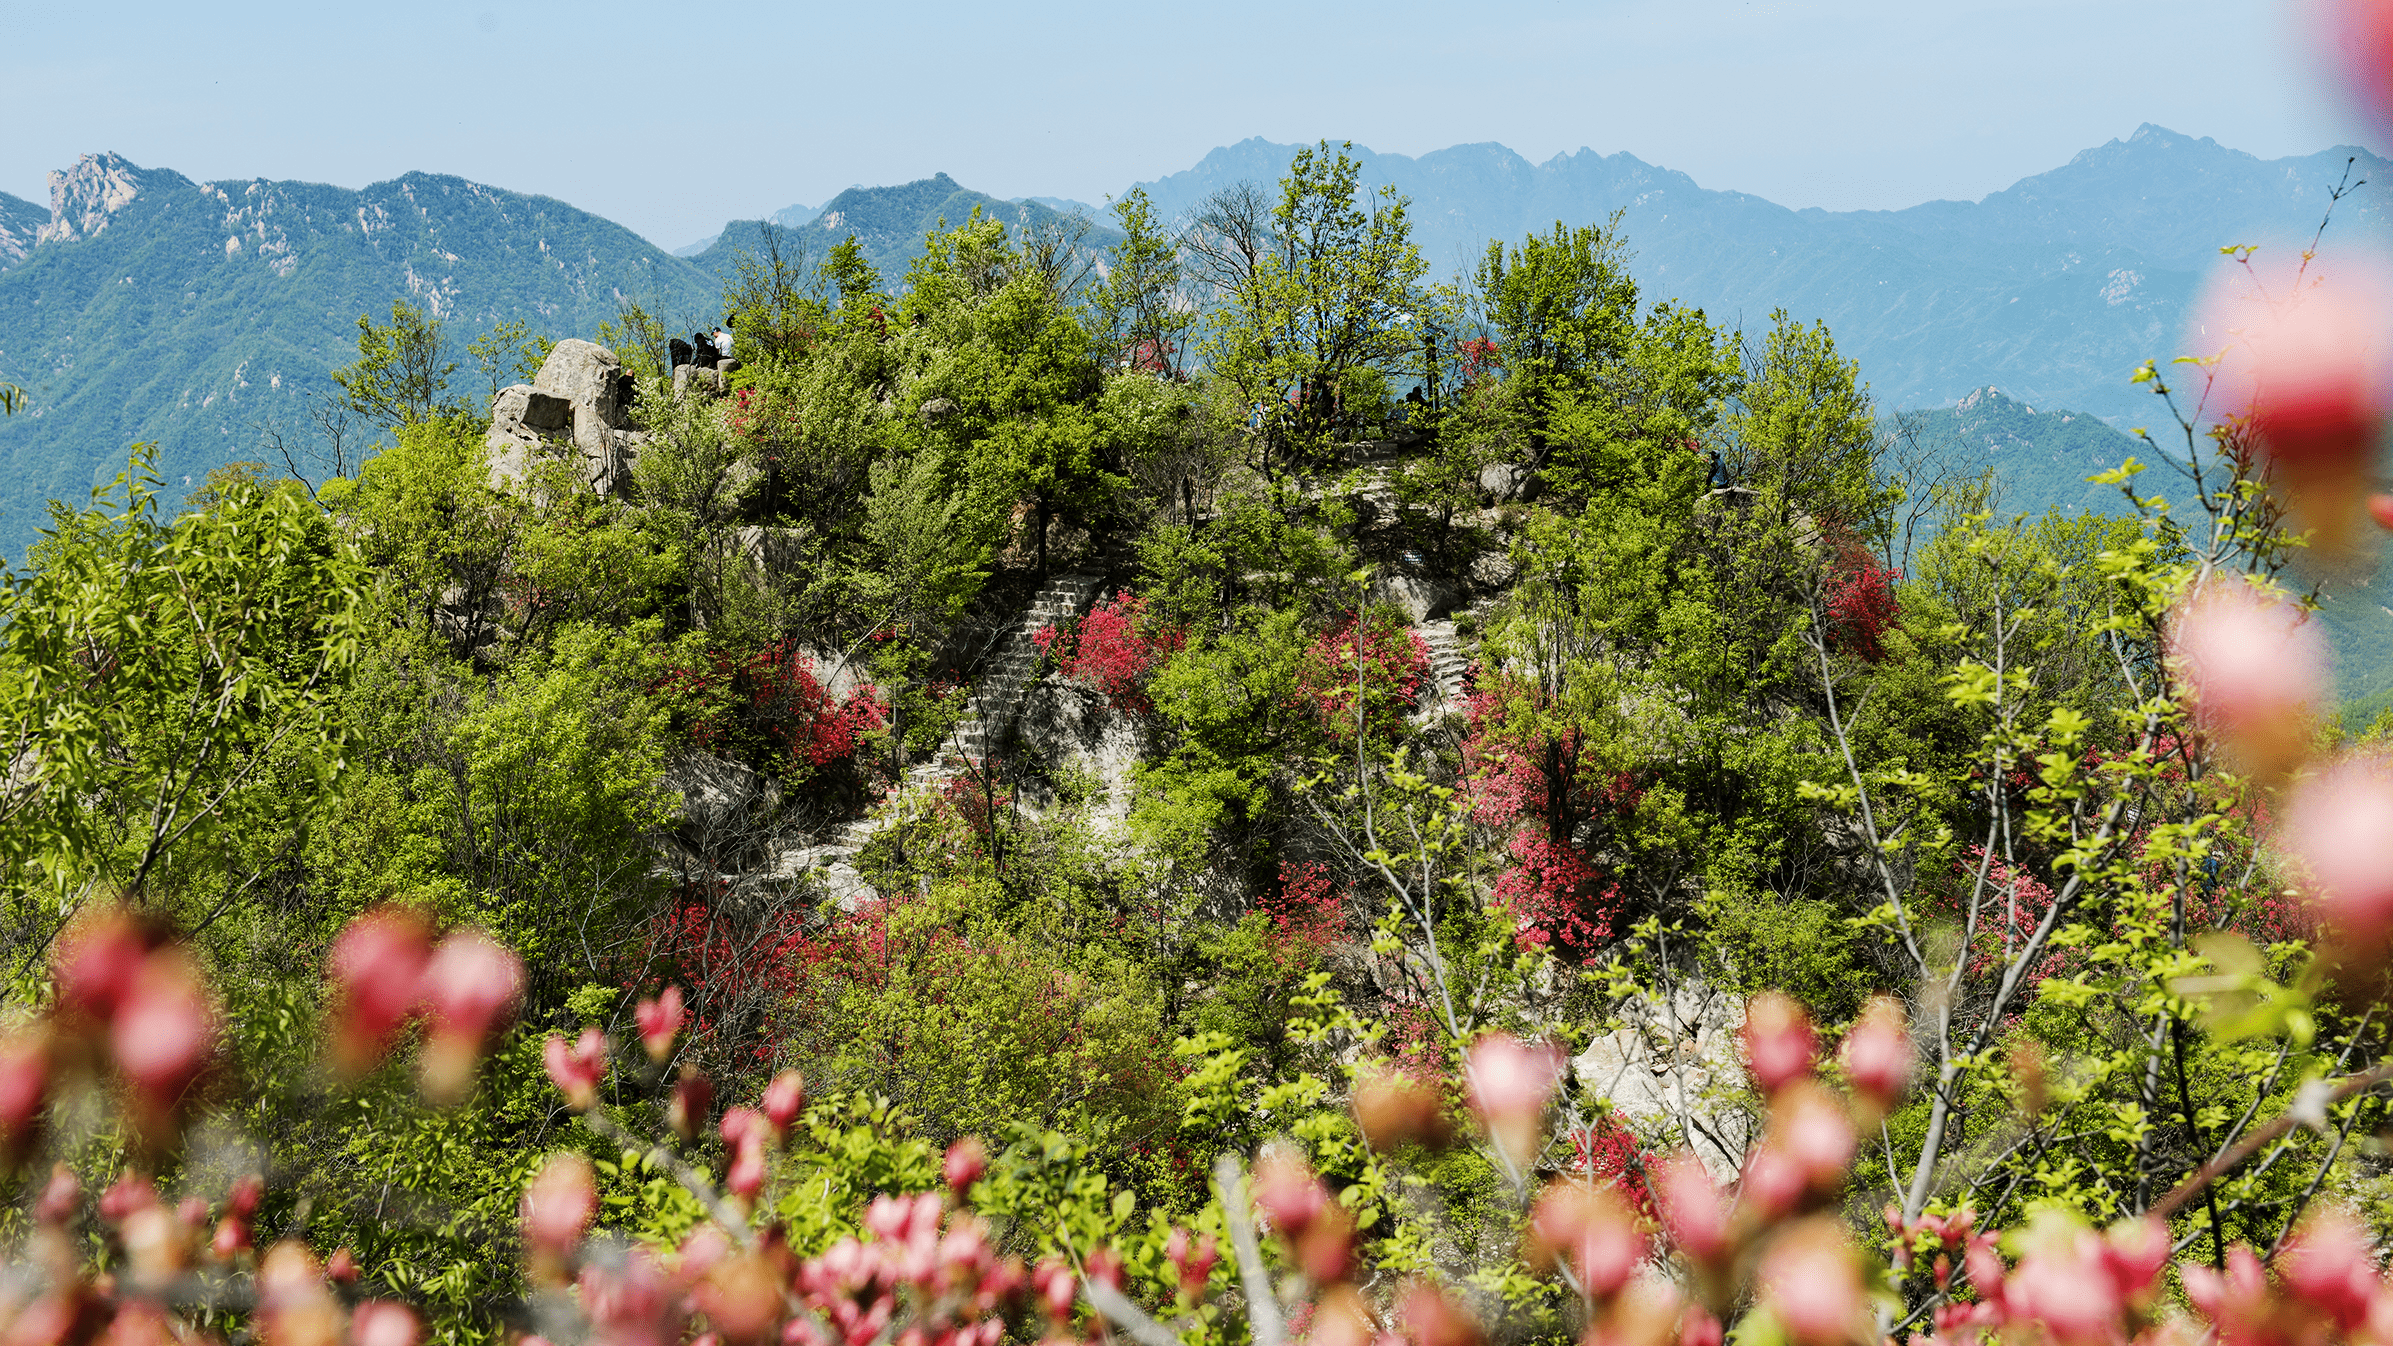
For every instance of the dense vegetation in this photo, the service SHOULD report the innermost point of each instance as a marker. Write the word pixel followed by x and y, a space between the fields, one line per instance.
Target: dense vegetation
pixel 1719 764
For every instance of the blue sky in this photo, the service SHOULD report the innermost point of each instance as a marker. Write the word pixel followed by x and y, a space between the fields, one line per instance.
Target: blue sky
pixel 671 120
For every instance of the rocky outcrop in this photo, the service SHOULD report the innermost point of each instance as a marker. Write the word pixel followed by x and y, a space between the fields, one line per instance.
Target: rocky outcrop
pixel 1074 730
pixel 1501 483
pixel 84 198
pixel 578 406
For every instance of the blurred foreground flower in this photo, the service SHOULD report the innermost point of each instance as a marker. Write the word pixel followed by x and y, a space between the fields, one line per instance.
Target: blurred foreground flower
pixel 2307 364
pixel 2253 667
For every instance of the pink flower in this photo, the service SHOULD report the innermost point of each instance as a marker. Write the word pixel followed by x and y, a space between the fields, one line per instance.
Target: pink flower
pixel 745 1130
pixel 576 1070
pixel 2309 368
pixel 470 985
pixel 967 1160
pixel 163 1030
pixel 784 1099
pixel 377 969
pixel 1878 1054
pixel 1812 1285
pixel 2065 1284
pixel 2135 1251
pixel 1195 1266
pixel 1778 1041
pixel 559 1204
pixel 2253 668
pixel 1692 1209
pixel 660 1023
pixel 96 961
pixel 2336 823
pixel 1510 1085
pixel 381 1322
pixel 2329 1265
pixel 1594 1230
pixel 1433 1319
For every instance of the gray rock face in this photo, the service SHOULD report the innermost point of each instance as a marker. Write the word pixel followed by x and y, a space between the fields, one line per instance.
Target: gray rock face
pixel 1491 571
pixel 578 405
pixel 937 410
pixel 1420 597
pixel 1502 482
pixel 688 377
pixel 1076 729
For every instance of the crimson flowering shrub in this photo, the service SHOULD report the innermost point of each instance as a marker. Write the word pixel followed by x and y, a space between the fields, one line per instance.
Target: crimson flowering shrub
pixel 1859 595
pixel 1370 655
pixel 1532 784
pixel 768 707
pixel 1115 647
pixel 1307 910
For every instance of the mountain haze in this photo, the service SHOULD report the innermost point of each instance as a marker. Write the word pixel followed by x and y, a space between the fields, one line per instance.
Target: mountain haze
pixel 2054 288
pixel 889 224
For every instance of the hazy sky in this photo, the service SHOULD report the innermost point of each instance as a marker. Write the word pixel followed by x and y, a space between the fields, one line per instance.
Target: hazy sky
pixel 671 118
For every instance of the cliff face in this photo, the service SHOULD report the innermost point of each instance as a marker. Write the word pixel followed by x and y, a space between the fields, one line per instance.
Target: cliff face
pixel 145 306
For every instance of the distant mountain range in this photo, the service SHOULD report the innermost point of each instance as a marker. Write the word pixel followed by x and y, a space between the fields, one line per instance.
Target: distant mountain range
pixel 143 305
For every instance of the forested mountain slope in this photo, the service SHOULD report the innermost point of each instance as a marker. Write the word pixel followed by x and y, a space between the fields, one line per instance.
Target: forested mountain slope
pixel 158 308
pixel 889 223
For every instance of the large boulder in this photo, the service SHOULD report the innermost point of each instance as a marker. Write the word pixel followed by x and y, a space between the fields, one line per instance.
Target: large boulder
pixel 1421 597
pixel 1500 483
pixel 578 406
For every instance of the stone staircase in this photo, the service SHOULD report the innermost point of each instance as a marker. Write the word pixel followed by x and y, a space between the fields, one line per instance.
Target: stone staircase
pixel 1446 689
pixel 1000 681
pixel 998 684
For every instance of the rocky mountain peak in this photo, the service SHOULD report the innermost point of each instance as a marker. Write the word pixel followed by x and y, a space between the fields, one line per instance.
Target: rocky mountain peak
pixel 84 198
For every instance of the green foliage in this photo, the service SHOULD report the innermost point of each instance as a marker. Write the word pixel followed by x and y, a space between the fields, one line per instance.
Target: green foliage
pixel 401 376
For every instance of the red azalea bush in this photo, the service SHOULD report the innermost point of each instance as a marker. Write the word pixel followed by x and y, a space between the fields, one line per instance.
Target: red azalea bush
pixel 1370 654
pixel 1859 595
pixel 1534 781
pixel 1116 647
pixel 769 708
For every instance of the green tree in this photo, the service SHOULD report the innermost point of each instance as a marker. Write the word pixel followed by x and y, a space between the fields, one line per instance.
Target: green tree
pixel 1333 288
pixel 401 376
pixel 1139 315
pixel 508 353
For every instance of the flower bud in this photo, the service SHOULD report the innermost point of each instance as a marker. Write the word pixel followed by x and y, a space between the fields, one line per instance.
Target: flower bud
pixel 2253 669
pixel 558 1206
pixel 1510 1085
pixel 1593 1230
pixel 1195 1266
pixel 1692 1209
pixel 578 1069
pixel 60 1197
pixel 377 971
pixel 693 1098
pixel 1878 1054
pixel 784 1099
pixel 95 962
pixel 342 1269
pixel 163 1035
pixel 2328 1264
pixel 1392 1112
pixel 1431 1318
pixel 2335 826
pixel 382 1322
pixel 967 1160
pixel 1778 1041
pixel 660 1023
pixel 2305 366
pixel 1811 1283
pixel 470 986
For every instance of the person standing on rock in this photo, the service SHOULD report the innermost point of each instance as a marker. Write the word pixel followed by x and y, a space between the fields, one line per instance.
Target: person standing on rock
pixel 723 357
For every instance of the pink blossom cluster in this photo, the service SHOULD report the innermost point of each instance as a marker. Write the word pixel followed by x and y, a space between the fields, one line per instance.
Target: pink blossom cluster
pixel 927 1273
pixel 386 973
